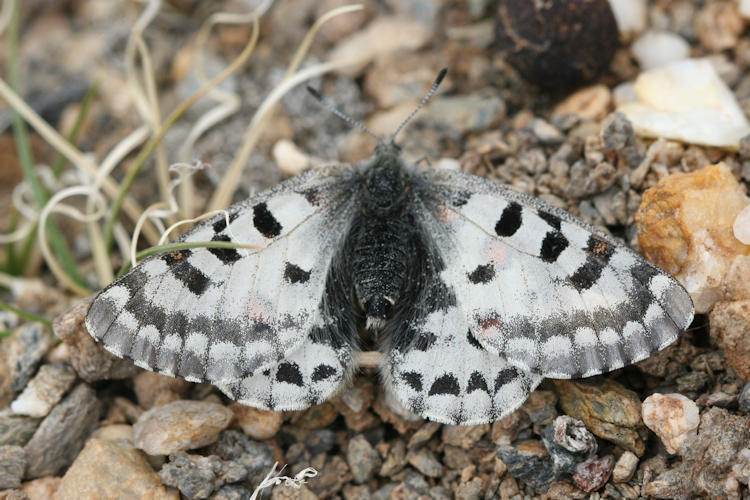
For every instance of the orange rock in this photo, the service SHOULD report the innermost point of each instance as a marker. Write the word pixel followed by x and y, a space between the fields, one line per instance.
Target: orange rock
pixel 685 227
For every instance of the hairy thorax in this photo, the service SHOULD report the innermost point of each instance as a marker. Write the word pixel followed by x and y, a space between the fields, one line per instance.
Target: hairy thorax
pixel 380 240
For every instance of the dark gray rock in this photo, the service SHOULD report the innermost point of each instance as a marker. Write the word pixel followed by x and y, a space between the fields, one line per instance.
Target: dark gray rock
pixel 197 476
pixel 569 443
pixel 15 429
pixel 62 434
pixel 12 464
pixel 234 446
pixel 529 462
pixel 414 481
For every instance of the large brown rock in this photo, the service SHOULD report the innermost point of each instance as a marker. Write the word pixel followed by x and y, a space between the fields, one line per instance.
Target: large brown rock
pixel 685 227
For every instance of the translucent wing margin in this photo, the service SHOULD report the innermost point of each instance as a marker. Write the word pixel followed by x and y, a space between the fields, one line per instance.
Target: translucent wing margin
pixel 253 322
pixel 552 294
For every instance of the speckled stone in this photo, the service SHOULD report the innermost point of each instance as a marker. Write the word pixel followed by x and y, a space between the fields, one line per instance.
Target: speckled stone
pixel 62 434
pixel 12 463
pixel 112 469
pixel 45 390
pixel 180 425
pixel 197 476
pixel 425 462
pixel 362 458
pixel 20 353
pixel 16 429
pixel 233 446
pixel 606 408
pixel 529 462
pixel 464 436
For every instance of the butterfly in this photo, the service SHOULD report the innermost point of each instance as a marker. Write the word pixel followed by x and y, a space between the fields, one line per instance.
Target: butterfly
pixel 472 292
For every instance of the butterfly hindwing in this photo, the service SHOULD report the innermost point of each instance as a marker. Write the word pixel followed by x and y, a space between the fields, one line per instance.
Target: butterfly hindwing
pixel 227 316
pixel 552 294
pixel 433 365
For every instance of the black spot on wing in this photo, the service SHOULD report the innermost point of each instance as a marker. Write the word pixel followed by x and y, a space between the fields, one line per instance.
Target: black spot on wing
pixel 505 376
pixel 290 373
pixel 221 224
pixel 446 384
pixel 551 219
pixel 460 198
pixel 225 255
pixel 510 220
pixel 598 253
pixel 643 272
pixel 190 276
pixel 553 244
pixel 295 274
pixel 265 222
pixel 477 383
pixel 472 341
pixel 482 274
pixel 322 372
pixel 413 380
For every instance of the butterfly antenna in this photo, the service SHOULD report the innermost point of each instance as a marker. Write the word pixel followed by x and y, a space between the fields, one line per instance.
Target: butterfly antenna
pixel 348 119
pixel 426 98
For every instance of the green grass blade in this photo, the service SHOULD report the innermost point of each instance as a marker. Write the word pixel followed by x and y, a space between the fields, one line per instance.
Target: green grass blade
pixel 25 315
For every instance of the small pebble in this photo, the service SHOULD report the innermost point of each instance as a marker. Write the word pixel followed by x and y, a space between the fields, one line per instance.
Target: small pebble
pixel 20 352
pixel 289 158
pixel 659 48
pixel 62 434
pixel 631 15
pixel 395 460
pixel 258 424
pixel 111 469
pixel 741 469
pixel 16 429
pixel 45 390
pixel 673 417
pixel 363 460
pixel 12 464
pixel 464 436
pixel 593 473
pixel 197 476
pixel 687 101
pixel 88 358
pixel 608 410
pixel 423 434
pixel 545 132
pixel 730 327
pixel 529 461
pixel 257 458
pixel 625 467
pixel 149 386
pixel 467 113
pixel 425 462
pixel 744 399
pixel 180 425
pixel 590 103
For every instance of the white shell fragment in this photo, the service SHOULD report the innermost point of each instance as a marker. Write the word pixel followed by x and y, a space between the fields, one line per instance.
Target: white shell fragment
pixel 687 101
pixel 659 48
pixel 630 16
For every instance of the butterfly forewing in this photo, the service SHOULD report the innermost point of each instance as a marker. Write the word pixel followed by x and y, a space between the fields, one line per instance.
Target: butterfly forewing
pixel 241 318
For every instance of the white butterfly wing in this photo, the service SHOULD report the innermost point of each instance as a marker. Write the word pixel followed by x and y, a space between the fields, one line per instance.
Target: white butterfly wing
pixel 553 295
pixel 242 319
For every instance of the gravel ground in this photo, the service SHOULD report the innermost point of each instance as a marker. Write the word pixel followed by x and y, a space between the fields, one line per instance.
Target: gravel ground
pixel 550 109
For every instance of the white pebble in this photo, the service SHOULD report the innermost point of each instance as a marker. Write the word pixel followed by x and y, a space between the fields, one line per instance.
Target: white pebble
pixel 687 101
pixel 741 226
pixel 630 16
pixel 673 417
pixel 289 158
pixel 659 48
pixel 625 467
pixel 745 8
